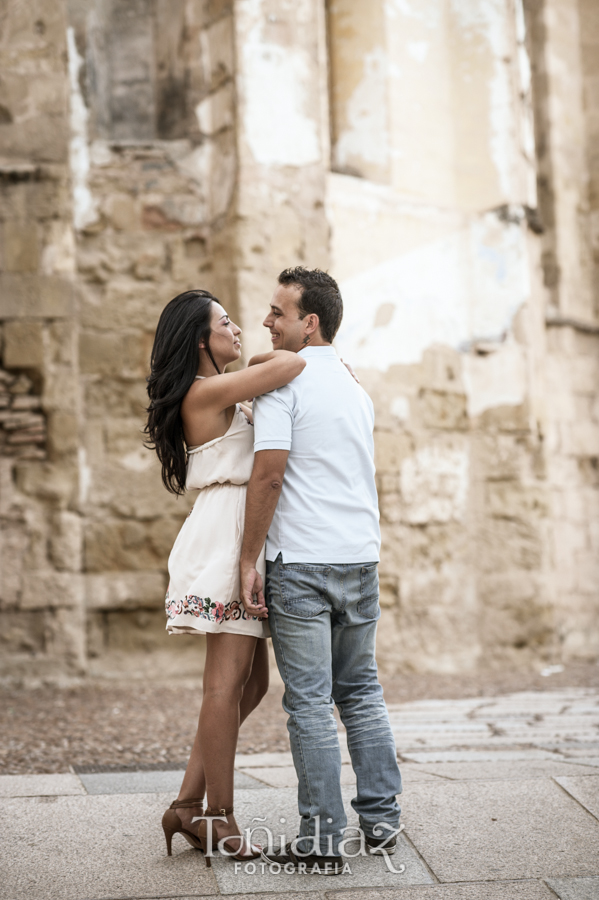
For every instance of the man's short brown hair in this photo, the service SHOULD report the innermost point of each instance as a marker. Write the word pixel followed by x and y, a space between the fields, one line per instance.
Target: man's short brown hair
pixel 320 295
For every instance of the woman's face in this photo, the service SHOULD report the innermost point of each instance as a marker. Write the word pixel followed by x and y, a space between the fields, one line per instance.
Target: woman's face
pixel 224 337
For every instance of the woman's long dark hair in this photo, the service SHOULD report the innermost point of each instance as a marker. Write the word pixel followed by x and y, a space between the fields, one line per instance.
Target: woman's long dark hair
pixel 184 322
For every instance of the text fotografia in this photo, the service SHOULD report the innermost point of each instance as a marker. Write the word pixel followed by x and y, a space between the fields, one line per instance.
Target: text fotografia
pixel 352 845
pixel 275 868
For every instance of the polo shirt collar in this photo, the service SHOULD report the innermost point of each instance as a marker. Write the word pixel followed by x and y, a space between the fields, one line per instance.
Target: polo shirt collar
pixel 327 350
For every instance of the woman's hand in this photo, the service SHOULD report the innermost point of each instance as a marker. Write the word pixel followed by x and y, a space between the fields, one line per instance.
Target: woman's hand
pixel 351 372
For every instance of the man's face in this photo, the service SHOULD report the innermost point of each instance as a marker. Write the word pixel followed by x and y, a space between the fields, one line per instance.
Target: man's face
pixel 287 330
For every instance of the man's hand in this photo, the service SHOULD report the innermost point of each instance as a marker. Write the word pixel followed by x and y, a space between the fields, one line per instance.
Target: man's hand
pixel 251 592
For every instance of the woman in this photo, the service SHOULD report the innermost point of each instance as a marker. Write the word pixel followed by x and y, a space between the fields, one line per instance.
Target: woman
pixel 202 433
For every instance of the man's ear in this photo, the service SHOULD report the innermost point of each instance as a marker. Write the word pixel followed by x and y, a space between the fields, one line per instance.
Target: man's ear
pixel 312 323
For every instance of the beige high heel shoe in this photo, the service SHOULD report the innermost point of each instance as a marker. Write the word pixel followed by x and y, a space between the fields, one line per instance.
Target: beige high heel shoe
pixel 203 835
pixel 172 824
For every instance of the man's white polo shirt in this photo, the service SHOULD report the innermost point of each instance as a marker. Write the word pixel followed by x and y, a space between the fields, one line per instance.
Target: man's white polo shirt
pixel 328 508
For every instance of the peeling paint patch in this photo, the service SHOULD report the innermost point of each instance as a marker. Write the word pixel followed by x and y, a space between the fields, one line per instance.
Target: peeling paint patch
pixel 496 379
pixel 84 206
pixel 418 50
pixel 278 127
pixel 490 19
pixel 434 484
pixel 367 137
pixel 453 291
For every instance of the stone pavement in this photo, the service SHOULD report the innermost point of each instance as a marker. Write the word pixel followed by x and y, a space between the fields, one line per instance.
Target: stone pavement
pixel 500 802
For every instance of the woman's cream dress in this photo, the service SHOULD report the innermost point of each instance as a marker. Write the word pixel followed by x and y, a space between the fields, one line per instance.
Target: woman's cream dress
pixel 203 593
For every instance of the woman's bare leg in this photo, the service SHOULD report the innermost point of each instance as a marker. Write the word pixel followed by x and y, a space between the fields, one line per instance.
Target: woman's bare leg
pixel 224 674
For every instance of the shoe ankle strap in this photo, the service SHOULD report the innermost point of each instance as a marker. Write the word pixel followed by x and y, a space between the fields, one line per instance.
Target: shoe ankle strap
pixel 186 804
pixel 218 812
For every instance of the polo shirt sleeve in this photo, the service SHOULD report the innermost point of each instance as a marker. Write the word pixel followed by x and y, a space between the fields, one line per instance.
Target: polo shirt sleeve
pixel 273 420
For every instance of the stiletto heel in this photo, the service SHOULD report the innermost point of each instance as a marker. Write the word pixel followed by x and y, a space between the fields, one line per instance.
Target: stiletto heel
pixel 203 836
pixel 172 824
pixel 168 833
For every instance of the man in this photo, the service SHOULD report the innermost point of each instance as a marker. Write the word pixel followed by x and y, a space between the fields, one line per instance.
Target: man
pixel 313 492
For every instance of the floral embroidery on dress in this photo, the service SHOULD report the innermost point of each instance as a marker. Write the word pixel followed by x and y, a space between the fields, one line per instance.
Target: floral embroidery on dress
pixel 205 608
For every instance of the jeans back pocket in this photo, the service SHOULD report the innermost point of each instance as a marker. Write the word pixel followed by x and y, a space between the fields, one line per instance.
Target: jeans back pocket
pixel 303 589
pixel 368 605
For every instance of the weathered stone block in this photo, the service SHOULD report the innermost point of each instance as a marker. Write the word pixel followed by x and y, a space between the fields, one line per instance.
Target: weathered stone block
pixel 388 591
pixel 508 544
pixel 23 344
pixel 63 433
pixel 122 212
pixel 390 450
pixel 42 138
pixel 435 483
pixel 130 631
pixel 62 391
pixel 47 481
pixel 21 632
pixel 515 612
pixel 123 398
pixel 123 436
pixel 101 353
pixel 133 492
pixel 117 544
pixel 442 409
pixel 506 418
pixel 514 500
pixel 581 439
pixel 46 589
pixel 126 590
pixel 437 618
pixel 14 544
pixel 66 541
pixel 63 344
pixel 25 296
pixel 125 303
pixel 21 246
pixel 502 456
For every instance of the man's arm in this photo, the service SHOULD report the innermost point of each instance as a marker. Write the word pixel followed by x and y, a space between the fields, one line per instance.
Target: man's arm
pixel 263 493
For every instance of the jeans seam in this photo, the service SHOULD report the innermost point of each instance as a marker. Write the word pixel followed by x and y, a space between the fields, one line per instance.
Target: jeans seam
pixel 288 687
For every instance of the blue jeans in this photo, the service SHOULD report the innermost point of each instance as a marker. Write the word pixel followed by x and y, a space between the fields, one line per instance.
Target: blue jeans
pixel 323 625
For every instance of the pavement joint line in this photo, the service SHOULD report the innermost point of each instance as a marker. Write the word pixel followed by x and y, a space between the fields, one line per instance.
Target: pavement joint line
pixel 421 857
pixel 567 792
pixel 548 886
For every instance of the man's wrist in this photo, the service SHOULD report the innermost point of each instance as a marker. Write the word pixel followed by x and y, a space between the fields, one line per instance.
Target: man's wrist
pixel 246 562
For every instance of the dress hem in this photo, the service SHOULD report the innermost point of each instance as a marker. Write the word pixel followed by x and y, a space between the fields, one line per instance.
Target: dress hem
pixel 214 628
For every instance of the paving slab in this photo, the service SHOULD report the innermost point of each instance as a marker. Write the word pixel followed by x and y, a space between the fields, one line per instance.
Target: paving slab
pixel 413 772
pixel 262 760
pixel 428 756
pixel 584 760
pixel 575 888
pixel 585 789
pixel 96 847
pixel 272 805
pixel 286 776
pixel 504 769
pixel 503 890
pixel 153 782
pixel 40 785
pixel 500 830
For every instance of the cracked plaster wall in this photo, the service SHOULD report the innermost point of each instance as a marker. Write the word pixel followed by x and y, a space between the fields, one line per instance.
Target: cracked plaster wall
pixel 438 157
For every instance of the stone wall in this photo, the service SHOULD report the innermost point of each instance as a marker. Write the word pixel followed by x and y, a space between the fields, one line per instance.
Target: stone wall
pixel 42 611
pixel 440 159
